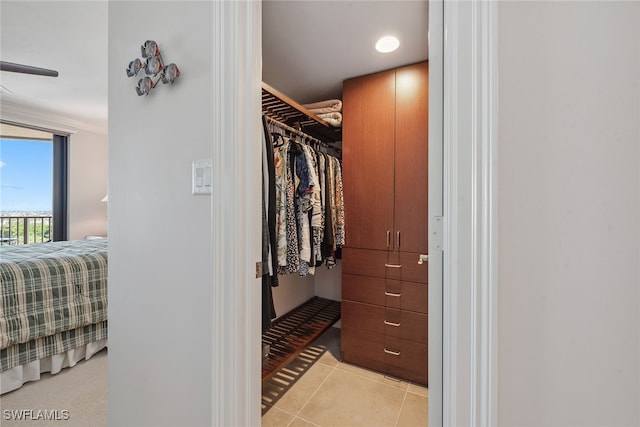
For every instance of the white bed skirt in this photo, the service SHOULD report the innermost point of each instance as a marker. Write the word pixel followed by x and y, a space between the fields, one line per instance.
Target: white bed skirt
pixel 14 378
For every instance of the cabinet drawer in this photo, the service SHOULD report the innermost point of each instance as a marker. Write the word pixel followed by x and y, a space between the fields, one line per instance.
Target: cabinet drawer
pixel 385 292
pixel 388 321
pixel 384 264
pixel 406 354
pixel 402 358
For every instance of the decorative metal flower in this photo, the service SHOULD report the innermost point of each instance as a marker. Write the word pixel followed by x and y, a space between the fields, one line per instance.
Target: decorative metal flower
pixel 150 49
pixel 171 73
pixel 134 66
pixel 153 65
pixel 144 86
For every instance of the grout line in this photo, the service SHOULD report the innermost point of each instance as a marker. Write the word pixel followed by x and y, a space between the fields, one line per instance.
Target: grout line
pixel 374 380
pixel 304 419
pixel 316 391
pixel 416 393
pixel 404 399
pixel 285 411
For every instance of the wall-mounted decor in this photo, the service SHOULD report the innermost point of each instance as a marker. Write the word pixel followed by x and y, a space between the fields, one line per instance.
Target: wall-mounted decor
pixel 153 66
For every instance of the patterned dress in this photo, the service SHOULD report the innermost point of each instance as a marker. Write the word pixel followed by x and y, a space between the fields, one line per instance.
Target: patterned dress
pixel 280 161
pixel 292 255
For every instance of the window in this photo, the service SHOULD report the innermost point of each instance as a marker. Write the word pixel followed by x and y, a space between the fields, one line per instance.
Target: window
pixel 33 195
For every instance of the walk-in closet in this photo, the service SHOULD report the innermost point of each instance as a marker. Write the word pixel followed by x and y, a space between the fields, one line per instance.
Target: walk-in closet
pixel 345 154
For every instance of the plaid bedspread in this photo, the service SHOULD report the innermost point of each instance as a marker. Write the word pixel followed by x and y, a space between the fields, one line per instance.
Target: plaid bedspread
pixel 51 288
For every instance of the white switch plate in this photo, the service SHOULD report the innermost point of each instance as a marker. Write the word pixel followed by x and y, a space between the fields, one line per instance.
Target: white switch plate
pixel 202 177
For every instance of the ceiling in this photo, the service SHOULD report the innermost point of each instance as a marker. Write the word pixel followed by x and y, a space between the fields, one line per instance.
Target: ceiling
pixel 309 48
pixel 67 36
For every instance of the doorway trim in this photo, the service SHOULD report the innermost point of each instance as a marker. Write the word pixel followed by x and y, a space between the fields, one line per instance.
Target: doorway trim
pixel 467 65
pixel 235 213
pixel 470 237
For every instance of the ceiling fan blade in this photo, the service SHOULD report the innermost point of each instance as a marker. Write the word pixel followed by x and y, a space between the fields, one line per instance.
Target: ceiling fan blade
pixel 26 69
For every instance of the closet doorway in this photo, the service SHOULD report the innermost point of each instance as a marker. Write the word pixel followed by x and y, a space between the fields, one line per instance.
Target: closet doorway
pixel 308 49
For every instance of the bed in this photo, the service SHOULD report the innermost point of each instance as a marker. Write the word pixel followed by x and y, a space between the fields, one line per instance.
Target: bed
pixel 53 307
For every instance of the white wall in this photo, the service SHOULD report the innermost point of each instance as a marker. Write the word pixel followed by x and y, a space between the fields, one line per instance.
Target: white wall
pixel 569 214
pixel 328 282
pixel 293 290
pixel 160 235
pixel 88 164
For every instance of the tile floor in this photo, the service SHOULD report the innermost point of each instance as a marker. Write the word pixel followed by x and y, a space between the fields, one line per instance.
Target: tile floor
pixel 314 390
pixel 319 390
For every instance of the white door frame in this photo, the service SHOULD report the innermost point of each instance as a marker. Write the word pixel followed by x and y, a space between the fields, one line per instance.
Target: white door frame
pixel 469 135
pixel 436 212
pixel 236 218
pixel 463 58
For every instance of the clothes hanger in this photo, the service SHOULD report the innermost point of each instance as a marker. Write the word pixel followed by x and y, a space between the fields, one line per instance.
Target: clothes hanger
pixel 295 147
pixel 278 139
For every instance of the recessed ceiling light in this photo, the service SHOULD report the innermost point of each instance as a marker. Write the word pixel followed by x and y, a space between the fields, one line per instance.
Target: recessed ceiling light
pixel 387 44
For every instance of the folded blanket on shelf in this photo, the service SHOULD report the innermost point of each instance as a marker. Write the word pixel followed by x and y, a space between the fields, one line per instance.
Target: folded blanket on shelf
pixel 334 118
pixel 328 106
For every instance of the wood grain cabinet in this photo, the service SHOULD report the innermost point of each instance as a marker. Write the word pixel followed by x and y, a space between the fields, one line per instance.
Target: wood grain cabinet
pixel 384 166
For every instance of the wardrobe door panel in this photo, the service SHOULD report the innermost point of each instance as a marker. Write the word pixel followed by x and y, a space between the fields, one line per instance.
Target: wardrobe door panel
pixel 367 159
pixel 384 288
pixel 411 151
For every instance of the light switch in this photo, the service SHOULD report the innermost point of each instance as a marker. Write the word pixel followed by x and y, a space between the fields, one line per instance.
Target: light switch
pixel 201 182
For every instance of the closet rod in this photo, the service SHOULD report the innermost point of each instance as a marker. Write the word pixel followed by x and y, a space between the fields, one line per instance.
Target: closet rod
pixel 295 131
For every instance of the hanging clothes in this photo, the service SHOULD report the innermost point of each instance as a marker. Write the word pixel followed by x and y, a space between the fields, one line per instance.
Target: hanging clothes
pixel 292 263
pixel 280 183
pixel 321 162
pixel 269 256
pixel 269 190
pixel 308 203
pixel 329 232
pixel 314 216
pixel 303 206
pixel 339 209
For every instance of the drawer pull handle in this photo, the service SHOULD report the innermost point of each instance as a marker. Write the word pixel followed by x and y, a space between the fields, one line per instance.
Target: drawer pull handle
pixel 395 353
pixel 391 324
pixel 388 238
pixel 393 265
pixel 390 294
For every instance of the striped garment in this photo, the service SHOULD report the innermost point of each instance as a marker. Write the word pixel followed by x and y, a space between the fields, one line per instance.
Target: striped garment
pixel 51 294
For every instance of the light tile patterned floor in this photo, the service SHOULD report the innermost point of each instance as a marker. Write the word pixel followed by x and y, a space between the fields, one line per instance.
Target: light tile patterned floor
pixel 329 393
pixel 324 392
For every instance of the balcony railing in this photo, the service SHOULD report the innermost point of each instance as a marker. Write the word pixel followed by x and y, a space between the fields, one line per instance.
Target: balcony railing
pixel 23 230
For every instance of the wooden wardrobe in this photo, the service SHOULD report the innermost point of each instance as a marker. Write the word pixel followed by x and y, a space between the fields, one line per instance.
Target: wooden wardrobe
pixel 384 166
